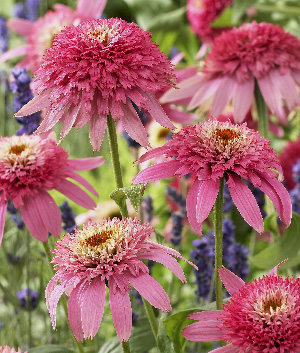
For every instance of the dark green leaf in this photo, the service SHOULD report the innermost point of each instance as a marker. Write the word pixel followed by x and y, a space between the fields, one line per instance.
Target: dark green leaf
pixel 50 349
pixel 225 20
pixel 133 193
pixel 168 21
pixel 239 8
pixel 164 343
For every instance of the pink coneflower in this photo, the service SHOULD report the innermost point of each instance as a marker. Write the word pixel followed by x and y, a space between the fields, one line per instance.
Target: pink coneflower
pixel 95 69
pixel 7 349
pixel 29 167
pixel 288 157
pixel 261 316
pixel 40 34
pixel 201 13
pixel 212 150
pixel 108 252
pixel 253 52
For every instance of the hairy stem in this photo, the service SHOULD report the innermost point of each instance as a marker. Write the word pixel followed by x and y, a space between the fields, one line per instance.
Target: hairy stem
pixel 262 112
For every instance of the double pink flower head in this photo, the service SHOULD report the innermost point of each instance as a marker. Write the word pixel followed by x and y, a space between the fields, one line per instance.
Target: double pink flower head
pixel 212 150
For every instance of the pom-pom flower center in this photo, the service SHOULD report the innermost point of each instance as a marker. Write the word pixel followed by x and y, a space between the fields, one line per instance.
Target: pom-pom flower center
pixel 102 33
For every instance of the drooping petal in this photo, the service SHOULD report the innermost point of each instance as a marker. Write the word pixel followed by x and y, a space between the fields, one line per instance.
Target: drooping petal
pixel 155 152
pixel 232 282
pixel 12 53
pixel 157 172
pixel 230 348
pixel 121 312
pixel 74 193
pixel 207 89
pixel 3 208
pixel 203 331
pixel 223 95
pixel 91 9
pixel 85 163
pixel 133 125
pixel 84 183
pixel 191 202
pixel 242 99
pixel 69 119
pixel 151 290
pixel 97 129
pixel 206 315
pixel 178 115
pixel 50 287
pixel 245 202
pixel 93 300
pixel 208 192
pixel 20 26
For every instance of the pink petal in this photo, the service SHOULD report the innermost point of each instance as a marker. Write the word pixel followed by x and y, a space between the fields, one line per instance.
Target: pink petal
pixel 273 272
pixel 74 193
pixel 121 312
pixel 93 300
pixel 49 212
pixel 207 194
pixel 202 51
pixel 12 53
pixel 156 111
pixel 74 310
pixel 178 115
pixel 186 89
pixel 97 129
pixel 230 348
pixel 151 290
pixel 223 95
pixel 157 172
pixel 177 58
pixel 84 183
pixel 204 91
pixel 232 282
pixel 50 287
pixel 245 202
pixel 36 104
pixel 163 258
pixel 205 331
pixel 206 315
pixel 20 26
pixel 279 196
pixel 69 119
pixel 3 208
pixel 91 9
pixel 155 152
pixel 191 202
pixel 242 100
pixel 85 163
pixel 133 125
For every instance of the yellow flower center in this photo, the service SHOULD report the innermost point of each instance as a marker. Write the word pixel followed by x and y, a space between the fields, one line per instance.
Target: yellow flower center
pixel 102 33
pixel 226 135
pixel 17 149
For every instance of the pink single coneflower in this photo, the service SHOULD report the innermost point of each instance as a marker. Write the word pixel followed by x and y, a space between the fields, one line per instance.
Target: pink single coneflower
pixel 212 150
pixel 7 349
pixel 30 167
pixel 108 253
pixel 261 316
pixel 201 14
pixel 96 69
pixel 40 34
pixel 260 52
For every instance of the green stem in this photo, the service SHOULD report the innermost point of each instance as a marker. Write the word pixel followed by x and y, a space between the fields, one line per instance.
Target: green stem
pixel 29 311
pixel 262 112
pixel 114 153
pixel 288 10
pixel 151 317
pixel 218 216
pixel 63 298
pixel 126 347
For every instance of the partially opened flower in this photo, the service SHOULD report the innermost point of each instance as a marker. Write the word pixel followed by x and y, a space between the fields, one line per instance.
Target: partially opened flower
pixel 212 150
pixel 96 69
pixel 30 167
pixel 260 52
pixel 40 34
pixel 109 253
pixel 261 316
pixel 7 349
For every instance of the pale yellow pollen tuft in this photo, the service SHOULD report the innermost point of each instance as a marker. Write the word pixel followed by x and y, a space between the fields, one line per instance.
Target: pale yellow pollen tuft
pixel 272 304
pixel 102 33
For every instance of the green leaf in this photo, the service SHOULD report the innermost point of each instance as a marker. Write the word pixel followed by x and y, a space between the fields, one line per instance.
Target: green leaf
pixel 224 20
pixel 287 246
pixel 239 8
pixel 164 343
pixel 168 21
pixel 50 349
pixel 159 237
pixel 133 193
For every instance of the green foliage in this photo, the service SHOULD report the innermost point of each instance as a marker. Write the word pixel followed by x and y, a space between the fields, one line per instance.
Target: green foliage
pixel 133 193
pixel 50 349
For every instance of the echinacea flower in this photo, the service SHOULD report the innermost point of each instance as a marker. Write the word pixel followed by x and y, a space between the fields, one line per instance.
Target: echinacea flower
pixel 7 349
pixel 109 252
pixel 212 150
pixel 260 52
pixel 261 316
pixel 40 34
pixel 96 69
pixel 30 167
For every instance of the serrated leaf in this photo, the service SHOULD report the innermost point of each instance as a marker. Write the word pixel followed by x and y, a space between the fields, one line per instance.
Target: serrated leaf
pixel 286 246
pixel 133 193
pixel 50 349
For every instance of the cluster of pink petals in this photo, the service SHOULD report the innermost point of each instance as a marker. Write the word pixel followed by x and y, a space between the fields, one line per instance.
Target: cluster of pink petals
pixel 201 13
pixel 7 349
pixel 212 150
pixel 289 157
pixel 253 52
pixel 29 167
pixel 261 316
pixel 40 34
pixel 96 69
pixel 108 252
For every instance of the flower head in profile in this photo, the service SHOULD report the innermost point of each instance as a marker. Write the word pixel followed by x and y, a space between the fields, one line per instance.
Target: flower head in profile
pixel 30 167
pixel 109 252
pixel 201 13
pixel 260 52
pixel 212 150
pixel 7 349
pixel 40 34
pixel 261 316
pixel 97 69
